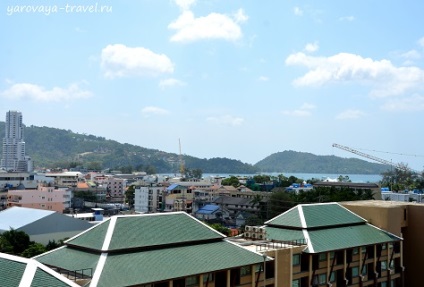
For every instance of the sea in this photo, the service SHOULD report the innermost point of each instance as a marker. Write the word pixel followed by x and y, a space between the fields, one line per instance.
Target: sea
pixel 357 178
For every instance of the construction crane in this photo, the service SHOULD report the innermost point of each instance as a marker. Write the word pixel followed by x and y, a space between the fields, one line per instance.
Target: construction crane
pixel 182 168
pixel 380 160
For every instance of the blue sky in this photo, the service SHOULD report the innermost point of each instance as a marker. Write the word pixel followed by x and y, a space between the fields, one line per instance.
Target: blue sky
pixel 235 79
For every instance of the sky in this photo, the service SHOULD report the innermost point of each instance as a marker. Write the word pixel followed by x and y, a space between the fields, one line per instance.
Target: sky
pixel 235 79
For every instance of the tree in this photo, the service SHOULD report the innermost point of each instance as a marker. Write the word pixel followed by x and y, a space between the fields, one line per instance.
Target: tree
pixel 129 195
pixel 14 242
pixel 33 250
pixel 220 228
pixel 232 180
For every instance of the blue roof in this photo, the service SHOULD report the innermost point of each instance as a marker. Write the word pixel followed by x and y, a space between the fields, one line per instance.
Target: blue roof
pixel 172 186
pixel 208 209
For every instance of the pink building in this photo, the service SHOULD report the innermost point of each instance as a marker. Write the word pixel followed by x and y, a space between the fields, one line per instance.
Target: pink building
pixel 44 197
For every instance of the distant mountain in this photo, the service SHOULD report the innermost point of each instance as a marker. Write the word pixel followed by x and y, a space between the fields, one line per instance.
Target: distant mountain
pixel 51 147
pixel 301 162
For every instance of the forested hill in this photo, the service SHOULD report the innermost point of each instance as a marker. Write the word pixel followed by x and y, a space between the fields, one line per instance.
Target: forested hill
pixel 301 162
pixel 51 147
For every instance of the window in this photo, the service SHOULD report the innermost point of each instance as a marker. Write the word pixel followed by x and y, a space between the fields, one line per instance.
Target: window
pixel 383 265
pixel 364 270
pixel 332 276
pixel 192 280
pixel 245 270
pixel 296 259
pixel 383 246
pixel 355 250
pixel 322 279
pixel 207 277
pixel 322 256
pixel 296 283
pixel 355 271
pixel 332 254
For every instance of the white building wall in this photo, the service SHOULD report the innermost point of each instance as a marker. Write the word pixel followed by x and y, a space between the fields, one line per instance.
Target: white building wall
pixel 141 199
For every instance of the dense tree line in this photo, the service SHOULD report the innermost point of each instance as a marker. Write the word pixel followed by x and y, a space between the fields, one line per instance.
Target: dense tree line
pixel 18 243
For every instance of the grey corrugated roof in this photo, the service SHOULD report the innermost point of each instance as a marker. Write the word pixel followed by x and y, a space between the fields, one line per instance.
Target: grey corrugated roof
pixel 17 217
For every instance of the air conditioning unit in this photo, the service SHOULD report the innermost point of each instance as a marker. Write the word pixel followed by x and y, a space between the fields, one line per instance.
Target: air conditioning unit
pixel 248 228
pixel 262 230
pixel 255 229
pixel 254 235
pixel 260 236
pixel 247 235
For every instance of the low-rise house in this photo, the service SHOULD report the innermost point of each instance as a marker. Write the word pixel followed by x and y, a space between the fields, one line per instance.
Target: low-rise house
pixel 65 178
pixel 211 212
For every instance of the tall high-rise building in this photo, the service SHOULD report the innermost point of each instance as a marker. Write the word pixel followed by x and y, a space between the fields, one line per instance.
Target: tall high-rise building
pixel 13 156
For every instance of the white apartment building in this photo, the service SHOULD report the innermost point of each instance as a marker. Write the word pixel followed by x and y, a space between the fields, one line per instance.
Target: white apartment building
pixel 148 199
pixel 13 153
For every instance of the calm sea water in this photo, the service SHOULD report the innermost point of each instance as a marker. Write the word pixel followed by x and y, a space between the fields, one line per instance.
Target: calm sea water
pixel 358 178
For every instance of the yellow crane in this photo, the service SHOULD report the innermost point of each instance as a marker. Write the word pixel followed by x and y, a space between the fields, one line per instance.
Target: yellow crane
pixel 182 168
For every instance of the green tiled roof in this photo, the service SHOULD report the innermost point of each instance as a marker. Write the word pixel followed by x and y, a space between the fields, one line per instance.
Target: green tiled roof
pixel 347 237
pixel 14 271
pixel 159 229
pixel 69 259
pixel 44 279
pixel 92 238
pixel 284 234
pixel 146 231
pixel 316 216
pixel 149 248
pixel 168 263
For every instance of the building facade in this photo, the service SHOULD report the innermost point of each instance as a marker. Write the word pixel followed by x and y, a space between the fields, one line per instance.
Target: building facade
pixel 148 198
pixel 44 197
pixel 13 153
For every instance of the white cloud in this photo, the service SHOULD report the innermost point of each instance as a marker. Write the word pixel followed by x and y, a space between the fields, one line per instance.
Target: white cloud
pixel 297 11
pixel 185 4
pixel 311 47
pixel 226 120
pixel 350 114
pixel 121 61
pixel 347 18
pixel 240 16
pixel 421 42
pixel 384 78
pixel 411 55
pixel 153 111
pixel 213 26
pixel 27 91
pixel 304 111
pixel 263 78
pixel 413 103
pixel 171 82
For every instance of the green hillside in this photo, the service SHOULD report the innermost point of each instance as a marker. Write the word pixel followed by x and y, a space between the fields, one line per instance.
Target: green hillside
pixel 301 162
pixel 51 147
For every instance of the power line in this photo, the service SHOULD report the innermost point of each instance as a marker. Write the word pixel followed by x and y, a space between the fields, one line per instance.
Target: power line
pixel 387 152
